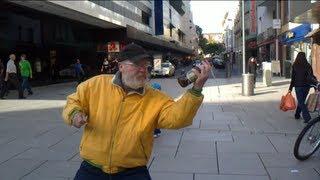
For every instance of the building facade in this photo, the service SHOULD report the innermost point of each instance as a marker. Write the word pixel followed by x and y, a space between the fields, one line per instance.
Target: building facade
pixel 289 25
pixel 57 32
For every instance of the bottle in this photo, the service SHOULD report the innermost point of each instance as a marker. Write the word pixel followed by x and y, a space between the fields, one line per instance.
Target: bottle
pixel 188 77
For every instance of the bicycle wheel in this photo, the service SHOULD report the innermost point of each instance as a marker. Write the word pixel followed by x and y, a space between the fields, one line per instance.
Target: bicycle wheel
pixel 308 140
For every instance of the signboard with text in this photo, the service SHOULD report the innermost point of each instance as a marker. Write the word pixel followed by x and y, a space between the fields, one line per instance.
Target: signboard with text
pixel 276 24
pixel 113 46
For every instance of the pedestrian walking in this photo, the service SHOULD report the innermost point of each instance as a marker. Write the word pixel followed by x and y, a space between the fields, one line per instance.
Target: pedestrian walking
pixel 2 72
pixel 252 67
pixel 26 73
pixel 105 66
pixel 301 79
pixel 11 77
pixel 157 131
pixel 79 71
pixel 120 113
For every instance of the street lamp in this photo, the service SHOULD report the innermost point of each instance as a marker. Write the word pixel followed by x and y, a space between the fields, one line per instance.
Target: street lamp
pixel 243 41
pixel 247 79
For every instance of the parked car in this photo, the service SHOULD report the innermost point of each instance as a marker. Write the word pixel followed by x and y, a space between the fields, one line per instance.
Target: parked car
pixel 167 69
pixel 196 63
pixel 218 63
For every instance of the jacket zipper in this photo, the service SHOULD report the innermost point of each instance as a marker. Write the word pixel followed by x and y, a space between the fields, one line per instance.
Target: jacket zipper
pixel 112 137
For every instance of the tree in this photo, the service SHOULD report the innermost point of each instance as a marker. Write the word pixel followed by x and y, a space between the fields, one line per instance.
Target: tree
pixel 214 49
pixel 202 41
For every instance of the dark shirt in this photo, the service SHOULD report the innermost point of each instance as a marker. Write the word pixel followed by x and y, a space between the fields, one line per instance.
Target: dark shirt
pixel 252 68
pixel 302 77
pixel 1 70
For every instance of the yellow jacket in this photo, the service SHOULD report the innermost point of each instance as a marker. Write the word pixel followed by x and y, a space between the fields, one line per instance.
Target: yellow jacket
pixel 119 132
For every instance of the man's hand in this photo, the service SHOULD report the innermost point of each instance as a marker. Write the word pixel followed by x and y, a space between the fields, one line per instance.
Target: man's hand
pixel 205 68
pixel 79 119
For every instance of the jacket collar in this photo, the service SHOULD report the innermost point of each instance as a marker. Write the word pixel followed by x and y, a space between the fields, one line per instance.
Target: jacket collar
pixel 117 80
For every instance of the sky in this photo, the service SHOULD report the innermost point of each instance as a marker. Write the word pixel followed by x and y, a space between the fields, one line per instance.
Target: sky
pixel 209 14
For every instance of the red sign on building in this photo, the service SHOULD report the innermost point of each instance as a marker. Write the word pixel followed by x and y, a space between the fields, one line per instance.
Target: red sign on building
pixel 253 19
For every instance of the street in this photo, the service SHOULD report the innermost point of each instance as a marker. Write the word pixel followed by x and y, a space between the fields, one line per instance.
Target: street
pixel 232 137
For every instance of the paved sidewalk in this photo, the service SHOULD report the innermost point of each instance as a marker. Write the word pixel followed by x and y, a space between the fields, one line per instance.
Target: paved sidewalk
pixel 232 137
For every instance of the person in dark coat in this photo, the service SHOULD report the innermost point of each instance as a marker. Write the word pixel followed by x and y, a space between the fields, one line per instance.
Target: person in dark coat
pixel 301 79
pixel 252 67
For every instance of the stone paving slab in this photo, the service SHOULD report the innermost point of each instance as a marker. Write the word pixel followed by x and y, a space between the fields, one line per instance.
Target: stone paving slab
pixel 55 169
pixel 247 144
pixel 293 174
pixel 47 154
pixel 285 160
pixel 21 168
pixel 10 150
pixel 240 163
pixel 229 177
pixel 283 143
pixel 184 165
pixel 192 149
pixel 206 135
pixel 171 176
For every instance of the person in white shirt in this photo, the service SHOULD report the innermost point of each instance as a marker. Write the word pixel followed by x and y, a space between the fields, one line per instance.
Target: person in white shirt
pixel 11 77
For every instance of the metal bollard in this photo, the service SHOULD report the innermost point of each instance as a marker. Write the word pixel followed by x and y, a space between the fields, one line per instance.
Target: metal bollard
pixel 247 84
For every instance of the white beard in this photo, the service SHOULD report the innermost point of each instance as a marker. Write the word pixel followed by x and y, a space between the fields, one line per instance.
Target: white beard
pixel 133 82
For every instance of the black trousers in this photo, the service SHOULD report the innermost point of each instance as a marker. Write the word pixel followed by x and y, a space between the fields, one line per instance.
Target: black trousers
pixel 14 81
pixel 89 172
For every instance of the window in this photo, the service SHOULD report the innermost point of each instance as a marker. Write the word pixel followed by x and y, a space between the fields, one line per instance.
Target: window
pixel 30 35
pixel 170 14
pixel 145 18
pixel 170 31
pixel 19 33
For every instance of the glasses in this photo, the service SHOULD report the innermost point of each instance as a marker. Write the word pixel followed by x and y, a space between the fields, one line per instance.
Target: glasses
pixel 140 66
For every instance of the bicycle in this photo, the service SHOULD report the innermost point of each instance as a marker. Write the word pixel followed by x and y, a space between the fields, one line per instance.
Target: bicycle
pixel 308 141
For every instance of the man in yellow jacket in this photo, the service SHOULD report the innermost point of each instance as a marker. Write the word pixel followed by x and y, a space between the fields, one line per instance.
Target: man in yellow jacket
pixel 120 113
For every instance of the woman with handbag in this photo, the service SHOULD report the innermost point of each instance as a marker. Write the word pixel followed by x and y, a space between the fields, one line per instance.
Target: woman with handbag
pixel 301 79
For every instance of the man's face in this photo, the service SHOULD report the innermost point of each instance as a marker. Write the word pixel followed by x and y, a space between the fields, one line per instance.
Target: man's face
pixel 134 75
pixel 13 57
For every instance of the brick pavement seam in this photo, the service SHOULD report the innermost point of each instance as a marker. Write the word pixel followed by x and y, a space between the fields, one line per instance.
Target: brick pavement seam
pixel 264 166
pixel 217 157
pixel 179 144
pixel 15 155
pixel 318 172
pixel 9 141
pixel 44 132
pixel 151 162
pixel 36 167
pixel 62 139
pixel 73 156
pixel 272 144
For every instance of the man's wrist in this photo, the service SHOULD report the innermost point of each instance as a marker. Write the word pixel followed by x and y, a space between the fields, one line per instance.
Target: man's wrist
pixel 195 91
pixel 72 114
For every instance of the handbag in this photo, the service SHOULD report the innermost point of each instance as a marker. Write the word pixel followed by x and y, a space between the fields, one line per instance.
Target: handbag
pixel 287 102
pixel 313 101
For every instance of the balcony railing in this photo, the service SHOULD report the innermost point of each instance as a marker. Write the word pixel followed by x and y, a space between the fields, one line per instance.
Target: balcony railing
pixel 178 5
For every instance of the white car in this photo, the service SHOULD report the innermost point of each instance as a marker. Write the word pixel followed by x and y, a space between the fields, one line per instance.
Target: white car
pixel 167 69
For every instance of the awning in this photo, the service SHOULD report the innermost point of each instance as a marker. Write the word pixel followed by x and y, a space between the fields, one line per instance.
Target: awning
pixel 138 35
pixel 313 33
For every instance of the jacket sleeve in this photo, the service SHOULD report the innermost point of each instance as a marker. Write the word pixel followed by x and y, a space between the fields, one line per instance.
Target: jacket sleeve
pixel 179 114
pixel 293 77
pixel 77 101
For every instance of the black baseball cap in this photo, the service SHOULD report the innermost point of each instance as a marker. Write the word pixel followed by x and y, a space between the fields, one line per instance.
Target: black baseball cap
pixel 134 53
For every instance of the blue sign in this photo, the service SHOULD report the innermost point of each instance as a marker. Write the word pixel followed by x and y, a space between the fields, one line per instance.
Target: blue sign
pixel 158 17
pixel 296 34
